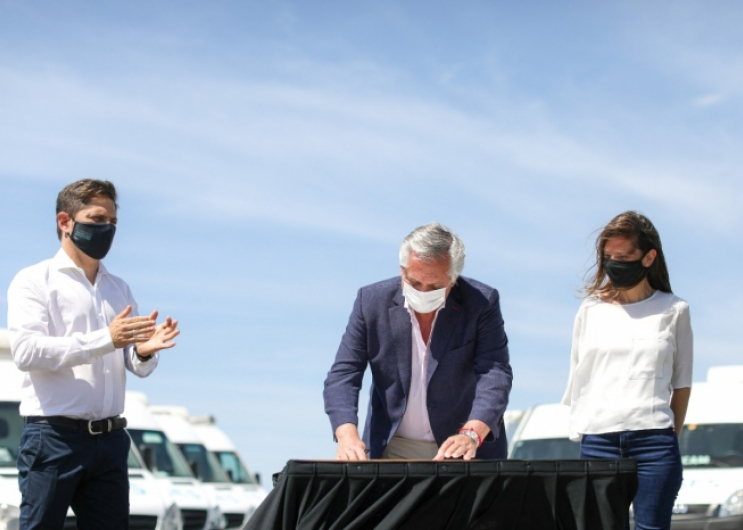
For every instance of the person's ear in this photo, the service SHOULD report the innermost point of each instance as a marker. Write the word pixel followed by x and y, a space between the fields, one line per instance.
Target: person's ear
pixel 649 258
pixel 64 222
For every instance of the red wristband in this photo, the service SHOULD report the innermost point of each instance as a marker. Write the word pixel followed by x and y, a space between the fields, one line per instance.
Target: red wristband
pixel 479 440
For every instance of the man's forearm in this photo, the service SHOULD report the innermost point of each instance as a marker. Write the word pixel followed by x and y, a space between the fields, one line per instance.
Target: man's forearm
pixel 35 351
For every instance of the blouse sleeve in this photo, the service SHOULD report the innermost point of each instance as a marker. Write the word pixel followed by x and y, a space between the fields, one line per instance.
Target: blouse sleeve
pixel 566 398
pixel 684 355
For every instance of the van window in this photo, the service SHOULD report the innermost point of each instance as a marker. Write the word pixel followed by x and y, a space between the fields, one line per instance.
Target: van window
pixel 231 463
pixel 712 445
pixel 132 461
pixel 168 460
pixel 207 465
pixel 545 449
pixel 11 426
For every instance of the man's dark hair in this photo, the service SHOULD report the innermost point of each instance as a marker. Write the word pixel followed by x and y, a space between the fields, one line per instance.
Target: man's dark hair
pixel 74 197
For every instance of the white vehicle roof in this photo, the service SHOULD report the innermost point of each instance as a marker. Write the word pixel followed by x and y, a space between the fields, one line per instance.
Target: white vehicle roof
pixel 729 375
pixel 176 426
pixel 545 421
pixel 137 415
pixel 212 436
pixel 512 416
pixel 715 403
pixel 170 410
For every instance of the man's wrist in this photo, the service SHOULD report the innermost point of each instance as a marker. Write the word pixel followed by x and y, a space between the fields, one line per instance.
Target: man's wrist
pixel 472 435
pixel 142 358
pixel 347 431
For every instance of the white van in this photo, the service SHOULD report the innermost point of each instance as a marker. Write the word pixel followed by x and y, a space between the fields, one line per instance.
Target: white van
pixel 543 434
pixel 235 503
pixel 149 508
pixel 511 420
pixel 711 445
pixel 172 473
pixel 219 444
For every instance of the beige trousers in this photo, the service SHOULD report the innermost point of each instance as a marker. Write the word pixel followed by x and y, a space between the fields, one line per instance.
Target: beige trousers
pixel 404 449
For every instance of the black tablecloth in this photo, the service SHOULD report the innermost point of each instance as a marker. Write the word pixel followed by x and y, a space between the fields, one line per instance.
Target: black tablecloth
pixel 450 495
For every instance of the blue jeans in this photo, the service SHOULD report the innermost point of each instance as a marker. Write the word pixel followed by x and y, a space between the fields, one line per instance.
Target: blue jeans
pixel 659 470
pixel 59 468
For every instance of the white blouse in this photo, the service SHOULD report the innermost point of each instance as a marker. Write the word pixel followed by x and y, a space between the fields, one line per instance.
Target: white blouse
pixel 625 361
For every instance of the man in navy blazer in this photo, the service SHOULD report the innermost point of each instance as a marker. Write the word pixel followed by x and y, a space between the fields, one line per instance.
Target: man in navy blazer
pixel 438 355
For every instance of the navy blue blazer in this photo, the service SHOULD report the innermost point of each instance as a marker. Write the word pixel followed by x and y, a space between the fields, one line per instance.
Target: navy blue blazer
pixel 469 376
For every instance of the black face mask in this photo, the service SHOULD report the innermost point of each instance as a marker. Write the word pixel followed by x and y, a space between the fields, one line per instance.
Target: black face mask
pixel 625 274
pixel 94 239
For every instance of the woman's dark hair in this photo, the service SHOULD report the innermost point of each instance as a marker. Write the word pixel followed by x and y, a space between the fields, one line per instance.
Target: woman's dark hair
pixel 643 235
pixel 74 197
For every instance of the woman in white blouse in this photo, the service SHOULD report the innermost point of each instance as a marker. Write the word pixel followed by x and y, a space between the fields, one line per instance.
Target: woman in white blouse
pixel 631 365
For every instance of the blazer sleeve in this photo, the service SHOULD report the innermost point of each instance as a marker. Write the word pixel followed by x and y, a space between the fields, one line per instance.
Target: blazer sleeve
pixel 492 368
pixel 344 380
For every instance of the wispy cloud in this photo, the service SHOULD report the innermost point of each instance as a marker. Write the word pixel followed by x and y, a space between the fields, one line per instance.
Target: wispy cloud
pixel 261 145
pixel 708 101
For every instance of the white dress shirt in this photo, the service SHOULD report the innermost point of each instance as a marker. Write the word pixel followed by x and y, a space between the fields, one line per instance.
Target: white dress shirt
pixel 626 360
pixel 415 424
pixel 58 330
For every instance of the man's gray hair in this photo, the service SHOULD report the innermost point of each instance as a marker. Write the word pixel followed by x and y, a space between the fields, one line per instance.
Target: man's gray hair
pixel 432 242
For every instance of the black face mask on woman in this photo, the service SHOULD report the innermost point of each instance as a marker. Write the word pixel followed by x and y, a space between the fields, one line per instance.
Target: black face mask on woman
pixel 625 273
pixel 94 239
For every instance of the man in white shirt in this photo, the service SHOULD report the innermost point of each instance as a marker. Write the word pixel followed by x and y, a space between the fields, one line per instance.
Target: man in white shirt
pixel 73 330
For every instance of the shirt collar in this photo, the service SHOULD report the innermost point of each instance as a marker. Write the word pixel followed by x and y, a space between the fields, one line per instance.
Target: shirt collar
pixel 62 261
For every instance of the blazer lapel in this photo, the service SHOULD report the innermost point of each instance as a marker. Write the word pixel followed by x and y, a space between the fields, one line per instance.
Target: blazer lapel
pixel 402 336
pixel 446 322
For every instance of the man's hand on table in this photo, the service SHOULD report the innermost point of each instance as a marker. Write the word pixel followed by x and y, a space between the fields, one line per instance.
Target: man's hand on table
pixel 462 446
pixel 350 446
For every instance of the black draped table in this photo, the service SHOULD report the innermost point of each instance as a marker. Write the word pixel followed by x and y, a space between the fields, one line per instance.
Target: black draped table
pixel 449 495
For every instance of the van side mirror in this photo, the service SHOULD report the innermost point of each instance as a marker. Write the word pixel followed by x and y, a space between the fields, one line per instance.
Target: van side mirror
pixel 257 478
pixel 148 455
pixel 229 475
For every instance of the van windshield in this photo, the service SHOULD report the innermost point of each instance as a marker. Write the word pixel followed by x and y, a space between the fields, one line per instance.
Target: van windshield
pixel 546 449
pixel 11 426
pixel 168 461
pixel 132 461
pixel 207 466
pixel 712 445
pixel 232 465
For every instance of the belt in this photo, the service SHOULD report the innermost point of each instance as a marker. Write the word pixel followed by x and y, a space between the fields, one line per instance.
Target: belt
pixel 90 426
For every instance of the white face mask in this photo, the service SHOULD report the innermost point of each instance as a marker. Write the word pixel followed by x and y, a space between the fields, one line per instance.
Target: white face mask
pixel 423 301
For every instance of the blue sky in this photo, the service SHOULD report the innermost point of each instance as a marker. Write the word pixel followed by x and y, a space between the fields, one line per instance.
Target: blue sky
pixel 270 156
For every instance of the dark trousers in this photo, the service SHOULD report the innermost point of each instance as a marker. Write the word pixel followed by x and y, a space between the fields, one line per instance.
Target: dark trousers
pixel 60 467
pixel 658 470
